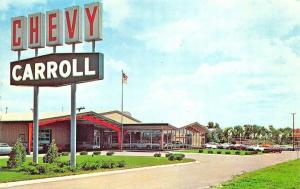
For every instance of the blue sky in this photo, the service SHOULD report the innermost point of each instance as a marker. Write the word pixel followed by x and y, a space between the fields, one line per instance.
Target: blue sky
pixel 231 62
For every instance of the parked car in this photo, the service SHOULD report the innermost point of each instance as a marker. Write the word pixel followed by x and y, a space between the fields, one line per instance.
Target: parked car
pixel 5 149
pixel 255 148
pixel 238 147
pixel 225 145
pixel 286 147
pixel 212 145
pixel 174 144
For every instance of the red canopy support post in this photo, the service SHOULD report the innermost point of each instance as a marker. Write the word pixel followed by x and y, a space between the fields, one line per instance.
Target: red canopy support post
pixel 119 140
pixel 30 128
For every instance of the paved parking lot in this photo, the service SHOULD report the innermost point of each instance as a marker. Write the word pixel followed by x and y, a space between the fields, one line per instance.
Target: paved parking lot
pixel 207 171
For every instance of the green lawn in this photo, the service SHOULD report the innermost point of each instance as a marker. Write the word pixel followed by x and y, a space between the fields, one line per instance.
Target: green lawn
pixel 223 151
pixel 283 176
pixel 8 175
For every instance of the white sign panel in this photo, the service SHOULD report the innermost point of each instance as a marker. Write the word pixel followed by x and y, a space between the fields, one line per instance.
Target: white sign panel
pixel 93 22
pixel 54 28
pixel 36 34
pixel 19 33
pixel 73 25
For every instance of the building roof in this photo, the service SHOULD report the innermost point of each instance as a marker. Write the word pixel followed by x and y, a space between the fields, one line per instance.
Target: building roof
pixel 149 126
pixel 28 116
pixel 195 127
pixel 110 114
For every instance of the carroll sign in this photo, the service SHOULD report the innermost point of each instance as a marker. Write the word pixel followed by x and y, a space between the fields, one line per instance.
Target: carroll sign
pixel 57 69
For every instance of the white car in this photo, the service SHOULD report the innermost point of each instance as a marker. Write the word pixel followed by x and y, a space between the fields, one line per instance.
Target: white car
pixel 174 144
pixel 225 145
pixel 5 149
pixel 256 148
pixel 211 145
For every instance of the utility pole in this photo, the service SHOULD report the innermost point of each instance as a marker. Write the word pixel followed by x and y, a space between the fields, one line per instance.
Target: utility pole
pixel 293 131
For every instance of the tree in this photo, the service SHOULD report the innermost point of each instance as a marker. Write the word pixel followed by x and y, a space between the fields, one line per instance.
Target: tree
pixel 238 131
pixel 18 155
pixel 227 133
pixel 275 134
pixel 217 125
pixel 52 153
pixel 210 125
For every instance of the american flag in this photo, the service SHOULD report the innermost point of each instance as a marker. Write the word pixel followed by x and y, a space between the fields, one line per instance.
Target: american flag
pixel 125 77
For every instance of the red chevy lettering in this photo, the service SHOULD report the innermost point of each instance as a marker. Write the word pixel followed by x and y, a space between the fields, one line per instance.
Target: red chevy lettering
pixel 71 28
pixel 16 40
pixel 91 18
pixel 51 27
pixel 34 29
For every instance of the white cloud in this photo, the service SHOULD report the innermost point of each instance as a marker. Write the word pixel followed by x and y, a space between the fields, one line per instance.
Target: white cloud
pixel 117 11
pixel 116 65
pixel 235 92
pixel 5 4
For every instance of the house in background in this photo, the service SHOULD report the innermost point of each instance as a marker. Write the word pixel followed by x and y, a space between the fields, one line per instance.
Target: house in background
pixel 99 131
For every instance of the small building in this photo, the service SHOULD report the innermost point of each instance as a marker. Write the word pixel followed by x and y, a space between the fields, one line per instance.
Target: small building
pixel 99 131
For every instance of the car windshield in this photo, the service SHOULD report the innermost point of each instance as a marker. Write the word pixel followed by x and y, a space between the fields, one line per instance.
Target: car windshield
pixel 3 145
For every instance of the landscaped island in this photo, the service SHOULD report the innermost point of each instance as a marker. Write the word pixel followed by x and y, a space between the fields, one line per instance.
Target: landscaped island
pixel 53 164
pixel 86 164
pixel 283 175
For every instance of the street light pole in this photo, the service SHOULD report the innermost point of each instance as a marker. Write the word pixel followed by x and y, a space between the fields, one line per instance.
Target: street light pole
pixel 293 131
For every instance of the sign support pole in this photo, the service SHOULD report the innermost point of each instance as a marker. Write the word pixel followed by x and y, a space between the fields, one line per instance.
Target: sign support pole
pixel 36 119
pixel 122 113
pixel 73 119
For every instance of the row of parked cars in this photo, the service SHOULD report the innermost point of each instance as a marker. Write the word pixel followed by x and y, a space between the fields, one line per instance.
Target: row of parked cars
pixel 273 148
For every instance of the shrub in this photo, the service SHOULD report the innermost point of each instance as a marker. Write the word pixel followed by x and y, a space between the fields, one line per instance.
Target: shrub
pixel 62 163
pixel 83 153
pixel 59 170
pixel 17 156
pixel 171 157
pixel 90 165
pixel 227 152
pixel 200 151
pixel 238 153
pixel 97 153
pixel 121 164
pixel 210 151
pixel 65 153
pixel 108 164
pixel 168 154
pixel 73 169
pixel 29 169
pixel 109 153
pixel 42 169
pixel 219 152
pixel 32 163
pixel 105 165
pixel 179 157
pixel 52 153
pixel 157 155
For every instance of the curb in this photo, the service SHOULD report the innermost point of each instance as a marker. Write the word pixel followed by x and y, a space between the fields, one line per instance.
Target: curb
pixel 70 177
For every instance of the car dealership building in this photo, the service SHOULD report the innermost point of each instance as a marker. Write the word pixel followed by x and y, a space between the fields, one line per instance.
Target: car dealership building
pixel 100 131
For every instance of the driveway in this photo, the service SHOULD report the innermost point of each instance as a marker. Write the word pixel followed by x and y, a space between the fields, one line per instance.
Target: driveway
pixel 209 170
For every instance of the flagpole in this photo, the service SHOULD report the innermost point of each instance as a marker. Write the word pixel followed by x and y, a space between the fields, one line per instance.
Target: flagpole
pixel 122 113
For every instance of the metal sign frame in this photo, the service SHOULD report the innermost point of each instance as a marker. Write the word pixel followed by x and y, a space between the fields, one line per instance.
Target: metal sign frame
pixel 73 35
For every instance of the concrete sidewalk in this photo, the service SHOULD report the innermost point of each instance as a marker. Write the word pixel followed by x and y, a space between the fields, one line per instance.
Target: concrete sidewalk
pixel 210 170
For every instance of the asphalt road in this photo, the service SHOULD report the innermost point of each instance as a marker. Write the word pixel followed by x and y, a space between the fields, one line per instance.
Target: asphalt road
pixel 209 170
